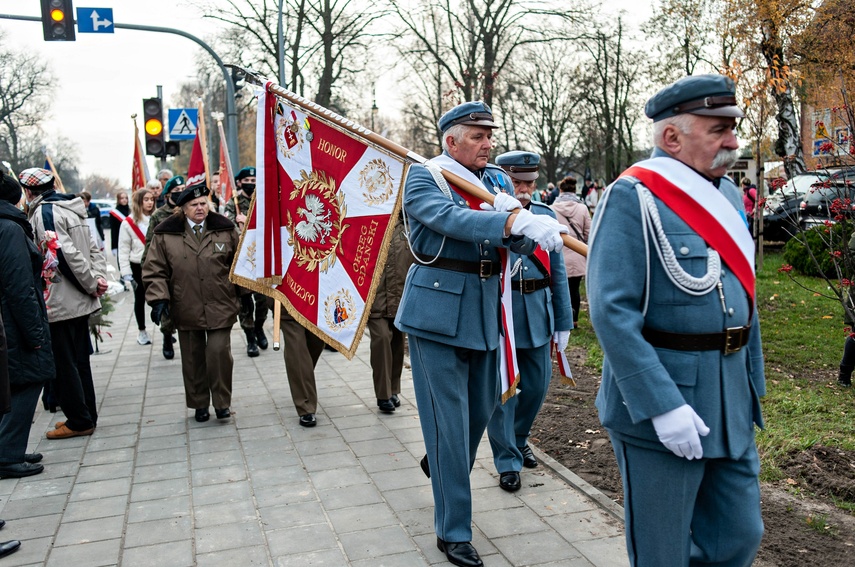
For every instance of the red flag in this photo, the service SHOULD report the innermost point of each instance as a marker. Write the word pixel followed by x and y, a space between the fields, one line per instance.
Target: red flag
pixel 227 178
pixel 317 234
pixel 196 169
pixel 139 171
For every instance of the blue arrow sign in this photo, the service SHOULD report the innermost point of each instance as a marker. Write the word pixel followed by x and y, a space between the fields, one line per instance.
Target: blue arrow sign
pixel 183 123
pixel 95 20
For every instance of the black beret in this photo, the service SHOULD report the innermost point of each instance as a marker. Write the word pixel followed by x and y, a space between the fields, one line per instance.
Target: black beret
pixel 192 192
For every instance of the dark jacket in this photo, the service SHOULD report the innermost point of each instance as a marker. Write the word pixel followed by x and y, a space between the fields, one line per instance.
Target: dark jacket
pixel 193 275
pixel 115 224
pixel 22 302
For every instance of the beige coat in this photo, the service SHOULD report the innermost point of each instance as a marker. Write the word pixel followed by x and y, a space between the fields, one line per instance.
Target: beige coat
pixel 85 260
pixel 192 275
pixel 572 213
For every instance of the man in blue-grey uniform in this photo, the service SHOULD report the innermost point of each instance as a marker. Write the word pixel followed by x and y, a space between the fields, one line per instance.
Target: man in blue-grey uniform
pixel 671 295
pixel 450 310
pixel 542 315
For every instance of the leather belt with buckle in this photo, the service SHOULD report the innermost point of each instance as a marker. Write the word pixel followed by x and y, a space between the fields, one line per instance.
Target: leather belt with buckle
pixel 530 285
pixel 730 341
pixel 484 268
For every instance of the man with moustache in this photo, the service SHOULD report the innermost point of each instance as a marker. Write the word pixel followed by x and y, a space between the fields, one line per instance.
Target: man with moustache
pixel 542 317
pixel 450 310
pixel 253 307
pixel 671 294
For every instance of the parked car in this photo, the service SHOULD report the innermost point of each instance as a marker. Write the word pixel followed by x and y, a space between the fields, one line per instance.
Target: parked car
pixel 817 204
pixel 104 206
pixel 781 209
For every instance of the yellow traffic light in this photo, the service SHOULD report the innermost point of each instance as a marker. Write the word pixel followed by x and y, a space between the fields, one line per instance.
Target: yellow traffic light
pixel 153 126
pixel 57 15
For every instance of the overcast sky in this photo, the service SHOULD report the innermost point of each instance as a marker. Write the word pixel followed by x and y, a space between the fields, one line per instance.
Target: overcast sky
pixel 102 78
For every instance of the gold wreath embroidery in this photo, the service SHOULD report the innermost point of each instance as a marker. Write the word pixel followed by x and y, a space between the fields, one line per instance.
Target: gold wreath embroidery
pixel 250 255
pixel 339 305
pixel 327 227
pixel 375 177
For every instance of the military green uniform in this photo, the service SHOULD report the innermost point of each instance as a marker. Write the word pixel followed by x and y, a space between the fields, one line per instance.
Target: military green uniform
pixel 167 327
pixel 252 317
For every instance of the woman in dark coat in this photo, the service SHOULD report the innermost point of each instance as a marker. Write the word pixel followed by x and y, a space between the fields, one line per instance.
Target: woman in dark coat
pixel 117 215
pixel 28 348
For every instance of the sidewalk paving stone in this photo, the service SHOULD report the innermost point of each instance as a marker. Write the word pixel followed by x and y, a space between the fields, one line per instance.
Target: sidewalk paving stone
pixel 154 487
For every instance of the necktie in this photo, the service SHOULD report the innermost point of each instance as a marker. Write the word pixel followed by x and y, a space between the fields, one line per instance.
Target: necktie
pixel 198 230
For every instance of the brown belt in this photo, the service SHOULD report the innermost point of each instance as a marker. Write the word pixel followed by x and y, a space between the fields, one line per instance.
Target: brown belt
pixel 530 286
pixel 484 268
pixel 729 341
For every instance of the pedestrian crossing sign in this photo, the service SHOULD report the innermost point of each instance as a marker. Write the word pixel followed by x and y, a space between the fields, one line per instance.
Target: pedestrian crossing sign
pixel 183 123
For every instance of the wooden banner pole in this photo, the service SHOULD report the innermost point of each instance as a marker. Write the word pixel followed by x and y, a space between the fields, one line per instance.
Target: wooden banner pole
pixel 388 145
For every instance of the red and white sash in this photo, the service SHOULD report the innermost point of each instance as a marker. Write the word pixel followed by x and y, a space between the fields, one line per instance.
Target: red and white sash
pixel 135 228
pixel 704 209
pixel 116 214
pixel 508 367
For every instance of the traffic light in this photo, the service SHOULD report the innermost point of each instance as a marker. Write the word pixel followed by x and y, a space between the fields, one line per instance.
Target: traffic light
pixel 153 124
pixel 173 148
pixel 58 20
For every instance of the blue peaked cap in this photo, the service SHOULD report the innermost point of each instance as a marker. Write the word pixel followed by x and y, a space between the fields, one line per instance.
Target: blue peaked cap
pixel 707 95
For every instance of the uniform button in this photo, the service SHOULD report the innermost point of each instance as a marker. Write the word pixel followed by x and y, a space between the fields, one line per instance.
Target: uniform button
pixel 485 253
pixel 462 202
pixel 525 268
pixel 435 284
pixel 723 272
pixel 730 311
pixel 487 242
pixel 684 250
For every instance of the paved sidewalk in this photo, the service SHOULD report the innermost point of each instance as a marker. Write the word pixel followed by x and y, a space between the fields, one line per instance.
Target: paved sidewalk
pixel 152 487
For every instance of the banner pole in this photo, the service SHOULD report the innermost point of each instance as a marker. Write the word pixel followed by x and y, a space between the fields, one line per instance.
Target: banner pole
pixel 388 145
pixel 277 318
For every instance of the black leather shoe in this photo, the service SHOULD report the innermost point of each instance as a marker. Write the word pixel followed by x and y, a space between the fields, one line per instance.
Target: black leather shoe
pixel 462 554
pixel 308 420
pixel 395 400
pixel 2 523
pixel 510 481
pixel 223 413
pixel 425 466
pixel 251 343
pixel 202 415
pixel 32 458
pixel 529 461
pixel 19 470
pixel 260 337
pixel 9 547
pixel 168 350
pixel 386 406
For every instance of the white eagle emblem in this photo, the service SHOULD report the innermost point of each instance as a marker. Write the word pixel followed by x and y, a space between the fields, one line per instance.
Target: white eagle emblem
pixel 317 221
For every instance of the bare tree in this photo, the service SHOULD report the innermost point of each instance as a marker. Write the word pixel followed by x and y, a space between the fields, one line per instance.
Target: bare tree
pixel 326 41
pixel 25 86
pixel 465 46
pixel 612 79
pixel 541 107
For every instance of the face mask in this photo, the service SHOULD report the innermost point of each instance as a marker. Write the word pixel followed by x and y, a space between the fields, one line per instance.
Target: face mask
pixel 248 188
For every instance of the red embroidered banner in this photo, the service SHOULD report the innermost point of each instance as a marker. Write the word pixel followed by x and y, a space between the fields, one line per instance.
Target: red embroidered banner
pixel 317 233
pixel 139 170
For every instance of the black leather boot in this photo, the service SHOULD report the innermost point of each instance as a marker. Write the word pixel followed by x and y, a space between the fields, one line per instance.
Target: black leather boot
pixel 260 338
pixel 168 351
pixel 251 343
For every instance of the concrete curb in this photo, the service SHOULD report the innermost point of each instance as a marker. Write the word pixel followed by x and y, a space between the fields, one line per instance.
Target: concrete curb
pixel 579 484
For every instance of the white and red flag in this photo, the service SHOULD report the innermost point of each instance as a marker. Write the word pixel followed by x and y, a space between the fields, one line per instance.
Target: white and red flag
pixel 317 233
pixel 139 171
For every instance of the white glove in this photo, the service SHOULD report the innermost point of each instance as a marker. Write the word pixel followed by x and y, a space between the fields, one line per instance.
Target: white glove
pixel 560 338
pixel 680 430
pixel 502 202
pixel 544 230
